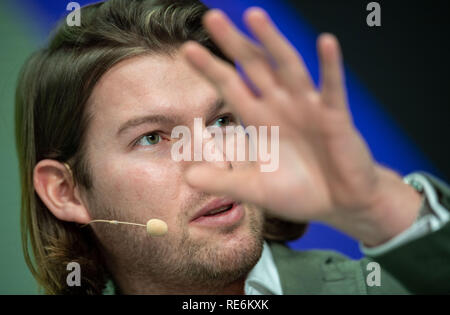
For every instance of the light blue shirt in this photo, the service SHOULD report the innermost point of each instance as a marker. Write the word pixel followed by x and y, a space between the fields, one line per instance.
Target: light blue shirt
pixel 263 278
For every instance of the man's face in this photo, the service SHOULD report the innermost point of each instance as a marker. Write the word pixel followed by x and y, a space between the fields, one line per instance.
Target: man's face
pixel 135 179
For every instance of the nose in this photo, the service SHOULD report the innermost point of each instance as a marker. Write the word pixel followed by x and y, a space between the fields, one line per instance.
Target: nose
pixel 201 144
pixel 213 147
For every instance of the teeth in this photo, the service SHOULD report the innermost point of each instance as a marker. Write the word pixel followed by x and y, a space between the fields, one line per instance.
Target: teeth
pixel 219 210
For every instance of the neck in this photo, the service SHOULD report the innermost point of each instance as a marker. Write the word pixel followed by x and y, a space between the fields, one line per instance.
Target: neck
pixel 130 285
pixel 132 281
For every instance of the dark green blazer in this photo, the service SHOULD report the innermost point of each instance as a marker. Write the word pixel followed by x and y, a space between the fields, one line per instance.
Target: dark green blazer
pixel 421 266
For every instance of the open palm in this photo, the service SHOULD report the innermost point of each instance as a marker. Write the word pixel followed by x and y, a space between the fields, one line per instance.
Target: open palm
pixel 326 171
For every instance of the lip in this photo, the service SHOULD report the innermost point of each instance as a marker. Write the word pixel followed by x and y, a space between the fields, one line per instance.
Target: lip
pixel 212 205
pixel 230 217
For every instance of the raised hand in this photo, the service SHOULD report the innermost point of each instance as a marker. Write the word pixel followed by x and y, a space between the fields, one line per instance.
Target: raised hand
pixel 326 171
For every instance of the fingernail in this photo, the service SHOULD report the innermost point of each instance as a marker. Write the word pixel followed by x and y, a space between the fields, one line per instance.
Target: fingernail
pixel 256 11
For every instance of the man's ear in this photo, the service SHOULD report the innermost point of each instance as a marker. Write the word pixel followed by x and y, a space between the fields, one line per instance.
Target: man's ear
pixel 54 184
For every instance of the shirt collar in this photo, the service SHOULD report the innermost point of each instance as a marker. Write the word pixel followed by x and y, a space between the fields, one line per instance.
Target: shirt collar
pixel 264 278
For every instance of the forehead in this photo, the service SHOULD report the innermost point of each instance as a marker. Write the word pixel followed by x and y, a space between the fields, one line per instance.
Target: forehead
pixel 149 83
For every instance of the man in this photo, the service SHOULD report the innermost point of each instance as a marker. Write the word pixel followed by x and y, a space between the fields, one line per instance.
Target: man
pixel 95 112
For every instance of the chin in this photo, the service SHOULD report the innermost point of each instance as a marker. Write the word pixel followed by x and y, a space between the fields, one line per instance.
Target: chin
pixel 240 248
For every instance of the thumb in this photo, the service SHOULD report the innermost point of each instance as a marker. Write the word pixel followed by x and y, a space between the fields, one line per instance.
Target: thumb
pixel 233 183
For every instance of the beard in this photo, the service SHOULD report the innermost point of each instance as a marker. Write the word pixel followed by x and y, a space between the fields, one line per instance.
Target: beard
pixel 178 262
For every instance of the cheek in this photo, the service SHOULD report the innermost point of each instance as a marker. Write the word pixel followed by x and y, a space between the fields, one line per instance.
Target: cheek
pixel 143 189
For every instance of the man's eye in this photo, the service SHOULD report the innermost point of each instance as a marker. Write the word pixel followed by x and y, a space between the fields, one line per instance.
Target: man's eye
pixel 149 139
pixel 224 121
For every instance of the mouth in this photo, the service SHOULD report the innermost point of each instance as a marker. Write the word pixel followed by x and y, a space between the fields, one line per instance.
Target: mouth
pixel 219 212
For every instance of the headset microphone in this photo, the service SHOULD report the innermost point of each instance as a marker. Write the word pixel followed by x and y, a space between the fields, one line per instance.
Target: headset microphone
pixel 155 227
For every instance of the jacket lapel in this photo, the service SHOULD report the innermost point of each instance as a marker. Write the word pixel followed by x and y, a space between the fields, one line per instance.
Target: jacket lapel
pixel 316 272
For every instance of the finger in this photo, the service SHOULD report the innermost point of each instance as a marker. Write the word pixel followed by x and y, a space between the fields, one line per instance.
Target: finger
pixel 226 79
pixel 239 47
pixel 331 72
pixel 239 184
pixel 289 64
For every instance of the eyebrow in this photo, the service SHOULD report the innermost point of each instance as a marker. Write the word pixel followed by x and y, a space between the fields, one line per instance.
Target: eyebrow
pixel 216 107
pixel 162 119
pixel 155 119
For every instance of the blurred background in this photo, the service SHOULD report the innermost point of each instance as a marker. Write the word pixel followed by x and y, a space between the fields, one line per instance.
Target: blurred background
pixel 397 80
